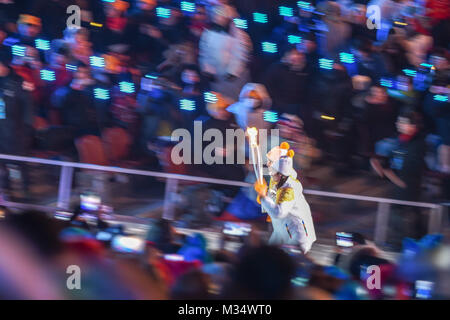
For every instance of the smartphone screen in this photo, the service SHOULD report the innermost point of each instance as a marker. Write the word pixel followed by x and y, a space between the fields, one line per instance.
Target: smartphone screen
pixel 344 239
pixel 423 289
pixel 173 257
pixel 127 244
pixel 103 236
pixel 62 215
pixel 148 84
pixel 90 202
pixel 237 229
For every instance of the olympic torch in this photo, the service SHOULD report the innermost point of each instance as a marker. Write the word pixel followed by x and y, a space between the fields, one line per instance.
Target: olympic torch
pixel 256 153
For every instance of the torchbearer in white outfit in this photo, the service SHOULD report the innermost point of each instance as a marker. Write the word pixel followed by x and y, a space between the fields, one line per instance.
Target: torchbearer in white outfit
pixel 284 202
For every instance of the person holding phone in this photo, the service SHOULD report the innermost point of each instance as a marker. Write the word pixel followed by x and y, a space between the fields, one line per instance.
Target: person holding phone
pixel 284 202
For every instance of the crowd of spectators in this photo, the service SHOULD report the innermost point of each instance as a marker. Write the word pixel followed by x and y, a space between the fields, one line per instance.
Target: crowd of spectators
pixel 134 71
pixel 106 92
pixel 39 255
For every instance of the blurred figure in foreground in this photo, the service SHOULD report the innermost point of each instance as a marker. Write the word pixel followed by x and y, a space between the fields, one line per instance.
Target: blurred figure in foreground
pixel 261 273
pixel 192 285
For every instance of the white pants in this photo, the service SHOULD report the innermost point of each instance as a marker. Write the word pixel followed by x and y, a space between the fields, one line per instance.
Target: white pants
pixel 290 231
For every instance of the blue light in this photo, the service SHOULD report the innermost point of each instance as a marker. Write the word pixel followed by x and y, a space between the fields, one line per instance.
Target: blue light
pixel 419 82
pixel 126 87
pixel 71 67
pixel 346 57
pixel 286 11
pixel 48 75
pixel 270 116
pixel 97 61
pixel 386 83
pixel 2 109
pixel 210 97
pixel 326 63
pixel 426 65
pixel 269 47
pixel 101 94
pixel 440 97
pixel 240 23
pixel 18 50
pixel 304 5
pixel 187 105
pixel 292 39
pixel 163 12
pixel 150 76
pixel 260 17
pixel 187 6
pixel 42 44
pixel 409 72
pixel 10 41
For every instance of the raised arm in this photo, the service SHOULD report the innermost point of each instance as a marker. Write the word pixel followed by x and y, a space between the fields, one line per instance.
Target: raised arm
pixel 283 204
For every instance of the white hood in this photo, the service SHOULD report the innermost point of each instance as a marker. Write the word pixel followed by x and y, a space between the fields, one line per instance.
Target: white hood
pixel 262 91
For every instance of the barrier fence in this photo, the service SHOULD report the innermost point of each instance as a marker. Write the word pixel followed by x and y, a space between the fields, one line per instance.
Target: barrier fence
pixel 435 212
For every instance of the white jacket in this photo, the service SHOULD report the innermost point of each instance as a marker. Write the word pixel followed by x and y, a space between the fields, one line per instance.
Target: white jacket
pixel 223 53
pixel 290 213
pixel 245 115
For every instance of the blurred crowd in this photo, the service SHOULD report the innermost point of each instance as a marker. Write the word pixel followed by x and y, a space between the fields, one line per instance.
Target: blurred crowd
pixel 345 89
pixel 38 256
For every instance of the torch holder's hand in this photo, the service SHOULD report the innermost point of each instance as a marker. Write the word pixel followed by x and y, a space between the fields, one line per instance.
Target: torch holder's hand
pixel 261 188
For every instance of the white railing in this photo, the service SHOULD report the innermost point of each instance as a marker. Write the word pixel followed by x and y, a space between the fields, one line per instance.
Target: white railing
pixel 65 184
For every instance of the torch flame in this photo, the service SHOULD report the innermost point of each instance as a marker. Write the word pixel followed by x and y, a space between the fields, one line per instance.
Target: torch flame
pixel 252 134
pixel 256 153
